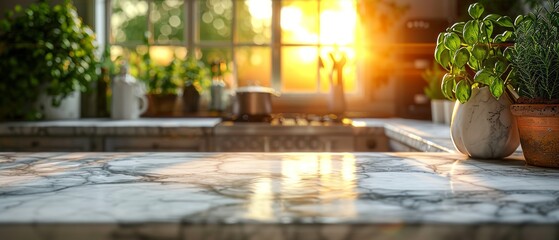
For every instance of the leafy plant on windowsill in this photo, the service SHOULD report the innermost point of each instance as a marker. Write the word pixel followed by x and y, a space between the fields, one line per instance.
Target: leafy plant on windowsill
pixel 475 55
pixel 536 56
pixel 43 48
pixel 160 80
pixel 194 72
pixel 165 79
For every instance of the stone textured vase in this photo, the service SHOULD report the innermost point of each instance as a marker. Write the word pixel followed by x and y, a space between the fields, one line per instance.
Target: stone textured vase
pixel 538 125
pixel 484 127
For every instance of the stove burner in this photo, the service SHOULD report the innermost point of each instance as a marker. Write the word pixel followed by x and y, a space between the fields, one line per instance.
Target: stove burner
pixel 253 118
pixel 290 119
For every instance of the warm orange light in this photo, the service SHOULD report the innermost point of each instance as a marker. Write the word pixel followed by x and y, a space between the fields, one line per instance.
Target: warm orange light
pixel 161 55
pixel 260 9
pixel 338 25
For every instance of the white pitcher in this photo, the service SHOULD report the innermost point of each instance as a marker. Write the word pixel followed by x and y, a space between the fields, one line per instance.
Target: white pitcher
pixel 129 99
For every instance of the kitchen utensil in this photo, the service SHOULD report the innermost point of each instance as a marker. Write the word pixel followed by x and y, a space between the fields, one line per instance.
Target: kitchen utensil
pixel 253 101
pixel 336 102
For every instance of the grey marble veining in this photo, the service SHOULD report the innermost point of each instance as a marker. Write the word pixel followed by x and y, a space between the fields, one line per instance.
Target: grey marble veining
pixel 274 196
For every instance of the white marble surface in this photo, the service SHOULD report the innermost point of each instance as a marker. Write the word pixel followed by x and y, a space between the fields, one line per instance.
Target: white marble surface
pixel 274 196
pixel 422 135
pixel 104 127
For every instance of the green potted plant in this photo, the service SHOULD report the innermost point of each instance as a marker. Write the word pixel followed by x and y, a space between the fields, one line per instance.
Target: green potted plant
pixel 433 77
pixel 194 74
pixel 47 56
pixel 536 66
pixel 475 55
pixel 162 83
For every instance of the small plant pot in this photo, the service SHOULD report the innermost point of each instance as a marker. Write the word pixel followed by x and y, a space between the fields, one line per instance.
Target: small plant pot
pixel 161 105
pixel 437 110
pixel 538 125
pixel 69 108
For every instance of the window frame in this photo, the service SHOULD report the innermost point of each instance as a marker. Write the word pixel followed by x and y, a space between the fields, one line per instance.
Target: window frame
pixel 315 101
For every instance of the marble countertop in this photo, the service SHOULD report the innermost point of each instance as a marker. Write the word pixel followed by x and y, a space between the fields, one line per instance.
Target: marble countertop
pixel 425 136
pixel 422 135
pixel 104 127
pixel 274 196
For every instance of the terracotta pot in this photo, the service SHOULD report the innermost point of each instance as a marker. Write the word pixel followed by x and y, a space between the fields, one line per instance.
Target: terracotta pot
pixel 538 125
pixel 161 104
pixel 484 127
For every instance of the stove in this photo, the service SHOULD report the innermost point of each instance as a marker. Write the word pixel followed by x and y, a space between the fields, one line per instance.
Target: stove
pixel 286 133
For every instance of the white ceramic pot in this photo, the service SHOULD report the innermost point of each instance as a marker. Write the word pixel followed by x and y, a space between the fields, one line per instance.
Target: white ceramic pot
pixel 437 110
pixel 484 127
pixel 69 107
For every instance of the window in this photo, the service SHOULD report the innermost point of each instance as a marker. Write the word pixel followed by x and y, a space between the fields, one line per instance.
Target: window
pixel 282 44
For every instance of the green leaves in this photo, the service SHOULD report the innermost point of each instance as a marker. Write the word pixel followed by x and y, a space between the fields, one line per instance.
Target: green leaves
pixel 475 10
pixel 497 88
pixel 503 37
pixel 491 79
pixel 458 27
pixel 492 17
pixel 442 56
pixel 461 57
pixel 51 49
pixel 484 76
pixel 471 32
pixel 535 56
pixel 486 30
pixel 473 55
pixel 519 19
pixel 463 91
pixel 447 86
pixel 480 51
pixel 505 21
pixel 508 53
pixel 451 41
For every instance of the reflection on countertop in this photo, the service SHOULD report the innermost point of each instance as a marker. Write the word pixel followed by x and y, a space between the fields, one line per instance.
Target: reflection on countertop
pixel 274 195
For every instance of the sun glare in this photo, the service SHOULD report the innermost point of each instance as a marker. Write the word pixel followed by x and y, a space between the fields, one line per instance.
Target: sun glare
pixel 334 26
pixel 260 9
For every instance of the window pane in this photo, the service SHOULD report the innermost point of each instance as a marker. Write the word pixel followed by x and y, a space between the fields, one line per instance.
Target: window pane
pixel 215 17
pixel 211 55
pixel 168 21
pixel 254 66
pixel 254 21
pixel 299 69
pixel 299 21
pixel 128 21
pixel 132 56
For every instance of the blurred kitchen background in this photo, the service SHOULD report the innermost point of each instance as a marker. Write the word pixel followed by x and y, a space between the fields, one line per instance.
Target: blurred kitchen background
pixel 387 45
